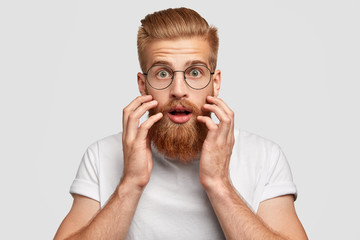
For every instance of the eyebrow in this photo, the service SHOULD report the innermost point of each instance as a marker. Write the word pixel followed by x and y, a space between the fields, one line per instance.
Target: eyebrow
pixel 187 64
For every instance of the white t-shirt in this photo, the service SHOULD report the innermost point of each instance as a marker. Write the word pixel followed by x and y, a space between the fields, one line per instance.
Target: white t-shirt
pixel 174 205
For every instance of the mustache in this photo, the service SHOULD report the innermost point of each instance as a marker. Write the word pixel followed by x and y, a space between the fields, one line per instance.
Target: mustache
pixel 178 102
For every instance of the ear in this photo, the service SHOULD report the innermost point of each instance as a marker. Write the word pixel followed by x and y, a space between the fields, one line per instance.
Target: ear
pixel 141 83
pixel 217 82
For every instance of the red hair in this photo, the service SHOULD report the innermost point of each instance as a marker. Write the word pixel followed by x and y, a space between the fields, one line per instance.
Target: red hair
pixel 171 24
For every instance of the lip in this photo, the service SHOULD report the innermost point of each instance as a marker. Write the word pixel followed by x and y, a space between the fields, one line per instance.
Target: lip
pixel 181 118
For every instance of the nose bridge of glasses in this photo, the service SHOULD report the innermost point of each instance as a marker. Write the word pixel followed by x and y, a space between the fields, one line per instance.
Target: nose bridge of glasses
pixel 178 79
pixel 174 73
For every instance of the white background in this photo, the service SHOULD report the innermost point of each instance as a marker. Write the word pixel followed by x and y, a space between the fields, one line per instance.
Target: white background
pixel 68 68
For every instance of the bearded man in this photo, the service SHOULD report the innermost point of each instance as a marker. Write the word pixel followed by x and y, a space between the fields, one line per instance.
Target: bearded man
pixel 180 175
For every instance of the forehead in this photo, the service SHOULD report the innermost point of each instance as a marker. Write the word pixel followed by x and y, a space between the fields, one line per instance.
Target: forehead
pixel 178 53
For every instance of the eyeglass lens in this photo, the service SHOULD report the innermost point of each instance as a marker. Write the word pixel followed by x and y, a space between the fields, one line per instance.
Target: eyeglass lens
pixel 160 76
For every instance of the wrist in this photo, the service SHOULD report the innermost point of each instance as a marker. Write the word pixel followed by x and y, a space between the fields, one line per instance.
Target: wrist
pixel 216 185
pixel 223 191
pixel 135 180
pixel 129 186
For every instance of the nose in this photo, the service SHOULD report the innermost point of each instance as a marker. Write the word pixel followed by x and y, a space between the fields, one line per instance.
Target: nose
pixel 178 88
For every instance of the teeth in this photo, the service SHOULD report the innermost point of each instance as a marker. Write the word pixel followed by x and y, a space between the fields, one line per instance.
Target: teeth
pixel 174 112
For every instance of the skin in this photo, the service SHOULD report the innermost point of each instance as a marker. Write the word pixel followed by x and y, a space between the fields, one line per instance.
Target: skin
pixel 275 219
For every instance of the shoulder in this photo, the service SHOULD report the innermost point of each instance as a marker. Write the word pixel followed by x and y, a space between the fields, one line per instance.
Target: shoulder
pixel 107 149
pixel 251 143
pixel 254 152
pixel 108 143
pixel 110 140
pixel 259 169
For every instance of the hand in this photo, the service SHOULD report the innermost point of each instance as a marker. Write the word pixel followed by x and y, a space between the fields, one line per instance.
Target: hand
pixel 218 145
pixel 136 144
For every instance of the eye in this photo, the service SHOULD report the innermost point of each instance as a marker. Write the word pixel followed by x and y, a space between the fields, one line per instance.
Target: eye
pixel 195 73
pixel 163 74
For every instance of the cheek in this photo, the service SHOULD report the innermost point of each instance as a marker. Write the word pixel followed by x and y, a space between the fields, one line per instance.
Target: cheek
pixel 199 101
pixel 202 96
pixel 159 96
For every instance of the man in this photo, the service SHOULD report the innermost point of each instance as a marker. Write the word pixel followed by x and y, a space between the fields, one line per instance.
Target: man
pixel 179 175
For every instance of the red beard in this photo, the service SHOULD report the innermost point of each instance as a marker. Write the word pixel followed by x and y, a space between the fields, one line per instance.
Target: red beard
pixel 183 141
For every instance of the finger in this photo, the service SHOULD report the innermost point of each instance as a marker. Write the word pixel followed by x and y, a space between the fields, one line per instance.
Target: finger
pixel 145 126
pixel 133 105
pixel 211 126
pixel 134 117
pixel 225 120
pixel 225 125
pixel 219 102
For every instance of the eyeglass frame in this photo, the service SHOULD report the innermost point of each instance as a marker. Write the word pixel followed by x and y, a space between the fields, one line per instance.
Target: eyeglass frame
pixel 173 75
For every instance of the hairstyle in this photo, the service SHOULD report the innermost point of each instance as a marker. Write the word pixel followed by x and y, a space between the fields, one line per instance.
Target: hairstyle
pixel 171 24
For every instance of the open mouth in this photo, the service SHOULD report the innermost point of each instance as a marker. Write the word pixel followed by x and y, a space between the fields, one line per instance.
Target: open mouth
pixel 180 110
pixel 180 114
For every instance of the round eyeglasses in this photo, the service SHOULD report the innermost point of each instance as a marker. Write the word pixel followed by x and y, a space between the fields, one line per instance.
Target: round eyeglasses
pixel 161 76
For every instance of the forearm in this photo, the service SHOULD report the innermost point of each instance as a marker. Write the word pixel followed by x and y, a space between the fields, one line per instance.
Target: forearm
pixel 235 217
pixel 114 220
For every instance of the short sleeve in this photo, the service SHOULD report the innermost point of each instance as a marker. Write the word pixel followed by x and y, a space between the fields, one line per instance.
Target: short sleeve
pixel 279 180
pixel 86 182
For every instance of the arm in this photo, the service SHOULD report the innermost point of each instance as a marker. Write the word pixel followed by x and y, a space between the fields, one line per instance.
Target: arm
pixel 81 213
pixel 276 218
pixel 85 220
pixel 279 213
pixel 236 219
